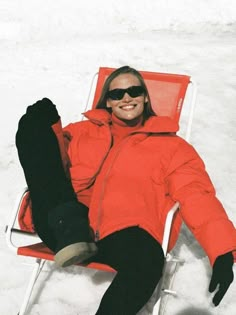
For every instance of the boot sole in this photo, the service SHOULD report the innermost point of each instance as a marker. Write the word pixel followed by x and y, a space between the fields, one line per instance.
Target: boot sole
pixel 75 254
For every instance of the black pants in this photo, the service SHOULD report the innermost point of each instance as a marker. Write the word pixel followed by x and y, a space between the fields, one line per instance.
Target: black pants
pixel 137 257
pixel 39 154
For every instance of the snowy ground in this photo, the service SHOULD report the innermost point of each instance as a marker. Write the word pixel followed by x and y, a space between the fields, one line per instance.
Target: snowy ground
pixel 53 51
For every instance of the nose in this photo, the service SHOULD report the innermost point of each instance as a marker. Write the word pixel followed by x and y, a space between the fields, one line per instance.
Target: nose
pixel 127 98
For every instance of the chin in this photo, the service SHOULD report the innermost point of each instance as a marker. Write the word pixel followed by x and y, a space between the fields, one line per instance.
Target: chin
pixel 128 118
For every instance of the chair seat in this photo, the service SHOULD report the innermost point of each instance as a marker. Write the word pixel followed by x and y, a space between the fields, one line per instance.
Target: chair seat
pixel 40 250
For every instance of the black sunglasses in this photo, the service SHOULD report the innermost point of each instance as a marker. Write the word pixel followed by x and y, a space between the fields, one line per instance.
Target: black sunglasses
pixel 133 91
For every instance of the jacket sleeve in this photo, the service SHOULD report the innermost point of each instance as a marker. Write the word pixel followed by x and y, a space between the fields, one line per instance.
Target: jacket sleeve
pixel 190 185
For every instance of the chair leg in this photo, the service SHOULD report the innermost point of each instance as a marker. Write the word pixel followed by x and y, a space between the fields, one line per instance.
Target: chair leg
pixel 156 308
pixel 36 271
pixel 160 290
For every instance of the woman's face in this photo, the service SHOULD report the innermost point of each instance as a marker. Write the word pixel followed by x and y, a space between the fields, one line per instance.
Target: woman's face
pixel 128 107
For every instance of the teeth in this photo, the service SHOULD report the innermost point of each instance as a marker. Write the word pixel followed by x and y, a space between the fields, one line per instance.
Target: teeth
pixel 128 107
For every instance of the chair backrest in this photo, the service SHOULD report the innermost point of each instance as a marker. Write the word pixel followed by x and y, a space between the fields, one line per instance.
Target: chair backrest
pixel 167 91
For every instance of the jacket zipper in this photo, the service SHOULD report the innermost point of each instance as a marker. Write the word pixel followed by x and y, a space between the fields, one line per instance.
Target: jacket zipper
pixel 99 216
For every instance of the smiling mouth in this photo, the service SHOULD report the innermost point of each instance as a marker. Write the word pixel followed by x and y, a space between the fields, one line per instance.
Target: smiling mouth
pixel 128 107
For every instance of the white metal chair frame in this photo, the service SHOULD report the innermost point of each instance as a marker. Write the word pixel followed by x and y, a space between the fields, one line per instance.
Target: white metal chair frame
pixel 39 263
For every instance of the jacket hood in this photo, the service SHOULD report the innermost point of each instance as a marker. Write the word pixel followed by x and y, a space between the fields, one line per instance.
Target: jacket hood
pixel 155 124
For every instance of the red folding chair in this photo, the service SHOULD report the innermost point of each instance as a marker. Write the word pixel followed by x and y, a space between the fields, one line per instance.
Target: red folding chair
pixel 167 93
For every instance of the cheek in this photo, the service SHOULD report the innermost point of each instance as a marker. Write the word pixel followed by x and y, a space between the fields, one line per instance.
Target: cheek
pixel 141 103
pixel 111 104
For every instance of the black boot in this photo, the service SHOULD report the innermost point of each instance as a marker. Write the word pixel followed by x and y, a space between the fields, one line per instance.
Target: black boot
pixel 70 226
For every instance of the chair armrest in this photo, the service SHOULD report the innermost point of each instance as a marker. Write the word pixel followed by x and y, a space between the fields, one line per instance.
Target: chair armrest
pixel 10 228
pixel 168 225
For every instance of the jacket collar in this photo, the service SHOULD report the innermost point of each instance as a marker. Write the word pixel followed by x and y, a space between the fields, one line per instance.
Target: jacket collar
pixel 98 116
pixel 155 124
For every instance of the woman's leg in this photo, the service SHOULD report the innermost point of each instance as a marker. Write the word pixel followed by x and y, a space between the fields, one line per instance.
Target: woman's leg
pixel 138 259
pixel 59 219
pixel 39 155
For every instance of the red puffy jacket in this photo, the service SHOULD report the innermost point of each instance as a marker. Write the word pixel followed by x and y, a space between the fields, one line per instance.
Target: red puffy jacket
pixel 136 182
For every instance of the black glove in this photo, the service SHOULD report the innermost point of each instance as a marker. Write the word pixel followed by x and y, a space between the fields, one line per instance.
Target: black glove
pixel 42 113
pixel 222 275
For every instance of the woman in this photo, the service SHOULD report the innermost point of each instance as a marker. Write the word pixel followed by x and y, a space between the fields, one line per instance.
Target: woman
pixel 129 167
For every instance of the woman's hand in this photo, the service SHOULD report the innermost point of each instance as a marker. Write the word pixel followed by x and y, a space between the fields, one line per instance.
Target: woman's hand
pixel 222 276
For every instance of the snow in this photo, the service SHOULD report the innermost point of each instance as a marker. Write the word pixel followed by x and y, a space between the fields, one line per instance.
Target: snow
pixel 52 49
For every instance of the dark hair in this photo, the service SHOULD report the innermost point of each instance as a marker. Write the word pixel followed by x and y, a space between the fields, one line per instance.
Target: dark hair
pixel 148 111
